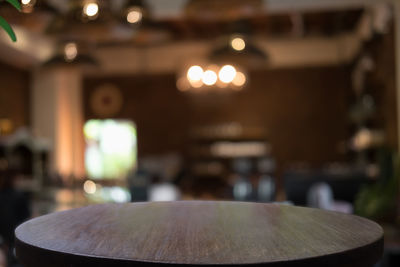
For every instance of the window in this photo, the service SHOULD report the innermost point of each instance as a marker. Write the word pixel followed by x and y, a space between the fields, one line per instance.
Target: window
pixel 111 148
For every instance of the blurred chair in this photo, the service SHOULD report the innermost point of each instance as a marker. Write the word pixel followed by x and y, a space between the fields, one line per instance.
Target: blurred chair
pixel 138 185
pixel 320 196
pixel 266 189
pixel 344 186
pixel 162 191
pixel 242 190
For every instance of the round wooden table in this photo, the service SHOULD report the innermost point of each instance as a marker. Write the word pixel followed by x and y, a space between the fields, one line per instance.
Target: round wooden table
pixel 198 233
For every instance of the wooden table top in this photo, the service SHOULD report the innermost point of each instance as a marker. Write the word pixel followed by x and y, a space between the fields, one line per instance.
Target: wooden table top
pixel 198 233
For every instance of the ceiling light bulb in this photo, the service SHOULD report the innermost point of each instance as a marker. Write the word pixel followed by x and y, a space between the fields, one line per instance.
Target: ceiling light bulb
pixel 195 73
pixel 238 44
pixel 91 9
pixel 209 77
pixel 27 5
pixel 240 79
pixel 70 51
pixel 134 15
pixel 227 74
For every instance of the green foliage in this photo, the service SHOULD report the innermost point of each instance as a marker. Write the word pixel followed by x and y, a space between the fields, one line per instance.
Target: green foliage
pixel 4 24
pixel 378 201
pixel 15 3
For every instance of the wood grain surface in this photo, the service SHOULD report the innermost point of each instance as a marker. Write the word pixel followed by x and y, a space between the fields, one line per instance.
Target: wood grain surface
pixel 198 233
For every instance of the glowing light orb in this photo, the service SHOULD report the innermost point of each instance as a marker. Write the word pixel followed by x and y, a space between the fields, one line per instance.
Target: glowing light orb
pixel 195 73
pixel 227 74
pixel 91 9
pixel 70 51
pixel 89 187
pixel 209 77
pixel 238 44
pixel 134 15
pixel 240 79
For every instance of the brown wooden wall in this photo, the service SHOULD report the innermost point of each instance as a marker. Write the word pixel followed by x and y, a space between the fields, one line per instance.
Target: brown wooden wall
pixel 14 95
pixel 304 111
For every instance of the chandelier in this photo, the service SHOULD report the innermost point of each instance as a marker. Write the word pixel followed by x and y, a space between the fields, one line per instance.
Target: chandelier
pixel 216 75
pixel 212 77
pixel 225 69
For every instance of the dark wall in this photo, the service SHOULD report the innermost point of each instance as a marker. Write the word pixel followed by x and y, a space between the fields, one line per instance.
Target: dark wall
pixel 304 111
pixel 14 95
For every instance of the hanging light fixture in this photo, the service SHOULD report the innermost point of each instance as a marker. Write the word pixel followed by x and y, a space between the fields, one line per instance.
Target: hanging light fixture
pixel 27 5
pixel 212 77
pixel 70 52
pixel 239 49
pixel 232 55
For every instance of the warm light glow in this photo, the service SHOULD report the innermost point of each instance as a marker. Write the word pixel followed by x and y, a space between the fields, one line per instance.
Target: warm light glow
pixel 91 9
pixel 227 74
pixel 212 75
pixel 70 51
pixel 240 79
pixel 242 149
pixel 134 15
pixel 196 84
pixel 27 5
pixel 182 84
pixel 195 73
pixel 89 187
pixel 209 77
pixel 238 44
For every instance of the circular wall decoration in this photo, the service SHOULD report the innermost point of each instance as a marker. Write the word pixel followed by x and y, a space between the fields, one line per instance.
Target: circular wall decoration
pixel 106 101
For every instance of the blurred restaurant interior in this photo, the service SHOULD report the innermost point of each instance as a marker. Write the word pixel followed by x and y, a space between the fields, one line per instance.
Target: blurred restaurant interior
pixel 291 101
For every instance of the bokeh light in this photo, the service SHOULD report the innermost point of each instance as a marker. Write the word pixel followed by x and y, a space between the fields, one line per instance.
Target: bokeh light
pixel 89 187
pixel 227 74
pixel 212 75
pixel 91 9
pixel 70 51
pixel 195 73
pixel 240 79
pixel 209 77
pixel 238 44
pixel 183 84
pixel 134 15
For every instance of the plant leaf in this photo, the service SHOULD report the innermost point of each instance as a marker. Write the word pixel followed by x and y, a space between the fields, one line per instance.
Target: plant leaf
pixel 15 3
pixel 4 24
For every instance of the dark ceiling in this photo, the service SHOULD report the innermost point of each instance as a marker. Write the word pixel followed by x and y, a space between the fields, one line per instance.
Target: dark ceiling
pixel 194 24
